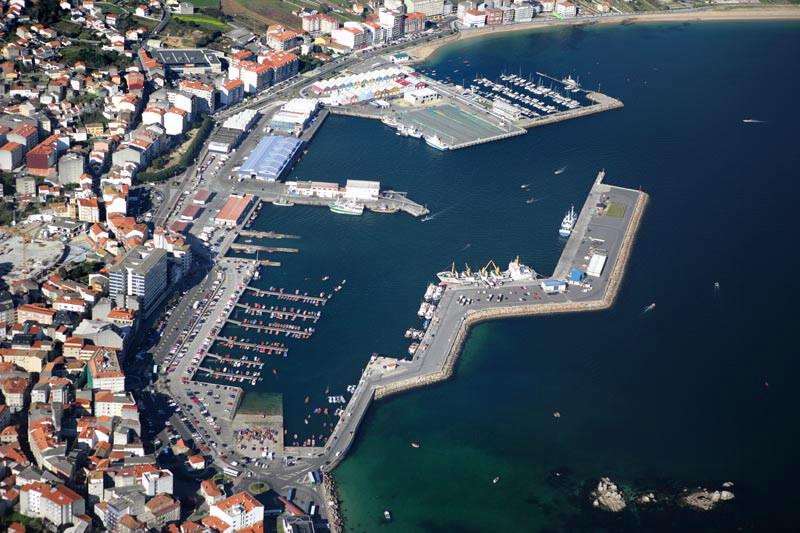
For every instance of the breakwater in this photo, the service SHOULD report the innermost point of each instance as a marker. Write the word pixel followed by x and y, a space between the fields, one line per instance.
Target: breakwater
pixel 443 342
pixel 602 102
pixel 474 317
pixel 384 376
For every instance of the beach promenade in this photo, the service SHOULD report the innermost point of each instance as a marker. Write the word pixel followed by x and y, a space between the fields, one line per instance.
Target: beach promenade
pixel 730 12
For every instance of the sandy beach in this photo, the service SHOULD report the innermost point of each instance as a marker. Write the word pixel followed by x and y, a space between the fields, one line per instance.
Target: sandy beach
pixel 721 13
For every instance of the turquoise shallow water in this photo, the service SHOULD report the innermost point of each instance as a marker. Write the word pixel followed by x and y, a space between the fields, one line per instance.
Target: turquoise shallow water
pixel 675 397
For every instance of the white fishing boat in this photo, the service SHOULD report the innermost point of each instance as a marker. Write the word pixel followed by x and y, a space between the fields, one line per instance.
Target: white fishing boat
pixel 435 142
pixel 568 223
pixel 347 207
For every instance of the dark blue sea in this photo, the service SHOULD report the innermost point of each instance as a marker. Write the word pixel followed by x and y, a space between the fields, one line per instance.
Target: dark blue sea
pixel 699 391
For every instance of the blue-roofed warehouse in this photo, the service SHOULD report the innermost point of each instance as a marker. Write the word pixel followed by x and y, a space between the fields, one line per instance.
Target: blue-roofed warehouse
pixel 271 158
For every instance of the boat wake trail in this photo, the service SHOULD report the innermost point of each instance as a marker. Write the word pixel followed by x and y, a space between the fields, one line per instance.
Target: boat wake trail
pixel 560 170
pixel 534 200
pixel 753 121
pixel 436 214
pixel 466 246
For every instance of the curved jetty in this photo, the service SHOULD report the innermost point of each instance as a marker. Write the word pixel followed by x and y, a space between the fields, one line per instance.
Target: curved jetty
pixel 604 233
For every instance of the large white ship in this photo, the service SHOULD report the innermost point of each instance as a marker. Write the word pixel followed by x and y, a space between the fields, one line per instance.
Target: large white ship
pixel 491 274
pixel 568 223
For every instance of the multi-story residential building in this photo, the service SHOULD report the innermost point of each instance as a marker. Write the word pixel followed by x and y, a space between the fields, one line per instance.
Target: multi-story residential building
pixel 566 9
pixel 88 210
pixel 15 390
pixel 140 272
pixel 157 482
pixel 104 371
pixel 70 168
pixel 415 22
pixel 161 510
pixel 429 8
pixel 231 92
pixel 121 404
pixel 350 37
pixel 239 511
pixel 393 21
pixel 206 94
pixel 54 503
pixel 11 156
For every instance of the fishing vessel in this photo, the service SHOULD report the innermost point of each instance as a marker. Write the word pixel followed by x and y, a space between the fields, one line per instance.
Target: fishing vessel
pixel 384 208
pixel 435 142
pixel 413 132
pixel 282 202
pixel 490 274
pixel 347 207
pixel 568 223
pixel 518 271
pixel 453 277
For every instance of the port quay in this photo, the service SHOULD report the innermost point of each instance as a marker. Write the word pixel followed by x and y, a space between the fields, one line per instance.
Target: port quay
pixel 461 118
pixel 596 231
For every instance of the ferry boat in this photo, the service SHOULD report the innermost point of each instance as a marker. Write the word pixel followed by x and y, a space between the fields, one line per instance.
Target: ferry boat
pixel 347 207
pixel 282 202
pixel 568 223
pixel 435 142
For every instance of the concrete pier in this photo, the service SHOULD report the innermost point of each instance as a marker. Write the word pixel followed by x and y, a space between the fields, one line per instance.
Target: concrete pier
pixel 602 102
pixel 305 298
pixel 266 234
pixel 253 248
pixel 234 360
pixel 225 341
pixel 439 349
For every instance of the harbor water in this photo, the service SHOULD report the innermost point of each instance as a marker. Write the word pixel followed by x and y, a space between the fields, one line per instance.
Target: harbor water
pixel 697 391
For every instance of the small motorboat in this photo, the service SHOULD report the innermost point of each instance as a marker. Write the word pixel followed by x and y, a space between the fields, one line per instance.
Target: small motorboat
pixel 557 414
pixel 386 514
pixel 495 480
pixel 415 445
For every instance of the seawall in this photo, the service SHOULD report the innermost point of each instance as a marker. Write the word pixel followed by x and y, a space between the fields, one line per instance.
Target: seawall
pixel 475 317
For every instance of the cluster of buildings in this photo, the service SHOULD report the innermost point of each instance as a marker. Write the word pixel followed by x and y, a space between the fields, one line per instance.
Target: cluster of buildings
pixel 386 82
pixel 477 14
pixel 385 22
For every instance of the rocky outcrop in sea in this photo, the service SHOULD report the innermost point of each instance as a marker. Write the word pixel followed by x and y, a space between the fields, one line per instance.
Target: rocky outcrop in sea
pixel 705 500
pixel 608 497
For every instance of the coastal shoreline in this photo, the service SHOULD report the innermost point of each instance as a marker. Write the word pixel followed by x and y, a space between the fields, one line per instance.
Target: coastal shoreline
pixel 720 14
